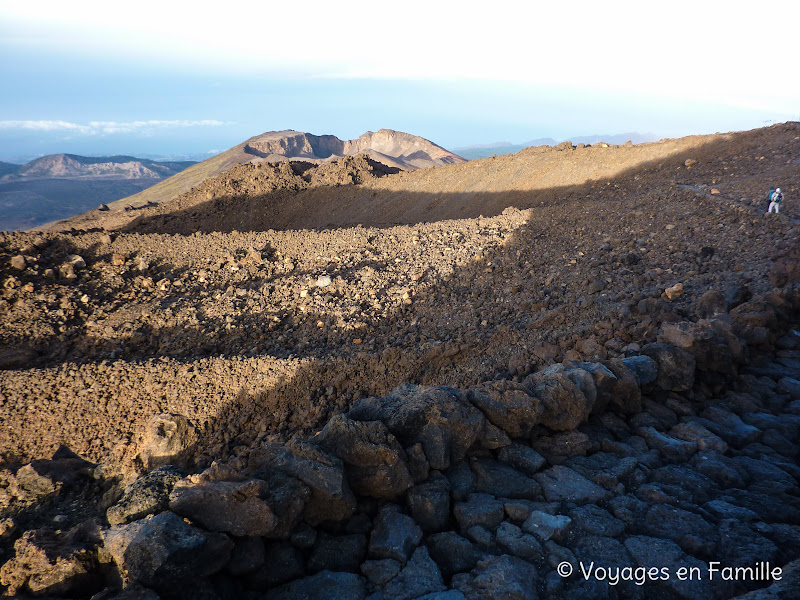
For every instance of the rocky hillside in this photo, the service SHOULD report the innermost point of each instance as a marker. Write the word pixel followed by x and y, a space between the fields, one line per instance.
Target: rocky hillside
pixel 453 407
pixel 392 148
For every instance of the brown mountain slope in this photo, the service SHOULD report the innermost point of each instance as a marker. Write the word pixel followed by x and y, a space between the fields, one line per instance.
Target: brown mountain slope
pixel 248 201
pixel 392 148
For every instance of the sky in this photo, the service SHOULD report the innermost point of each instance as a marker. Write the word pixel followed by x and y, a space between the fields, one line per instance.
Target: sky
pixel 176 79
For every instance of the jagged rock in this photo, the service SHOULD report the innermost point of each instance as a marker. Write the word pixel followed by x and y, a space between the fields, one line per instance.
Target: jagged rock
pixel 593 520
pixel 51 563
pixel 236 507
pixel 626 394
pixel 418 465
pixel 438 418
pixel 462 481
pixel 692 533
pixel 44 478
pixel 728 426
pixel 480 509
pixel 675 366
pixel 718 468
pixel 498 479
pixel 644 367
pixel 165 550
pixel 429 503
pixel 147 495
pixel 741 544
pixel 648 552
pixel 789 385
pixel 783 589
pixel 419 577
pixel 507 405
pixel 515 541
pixel 338 553
pixel 567 395
pixel 394 535
pixel 605 381
pixel 331 496
pixel 453 553
pixel 695 432
pixel 561 483
pixel 482 537
pixel 168 440
pixel 672 449
pixel 561 446
pixel 374 460
pixel 711 352
pixel 697 486
pixel 379 572
pixel 322 586
pixel 545 526
pixel 522 458
pixel 304 536
pixel 499 577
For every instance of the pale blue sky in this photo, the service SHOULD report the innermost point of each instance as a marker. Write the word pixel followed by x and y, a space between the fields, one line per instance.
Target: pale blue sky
pixel 167 78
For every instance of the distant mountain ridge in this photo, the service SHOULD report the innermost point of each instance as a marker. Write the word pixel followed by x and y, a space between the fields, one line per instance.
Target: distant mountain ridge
pixel 499 148
pixel 58 186
pixel 392 148
pixel 110 167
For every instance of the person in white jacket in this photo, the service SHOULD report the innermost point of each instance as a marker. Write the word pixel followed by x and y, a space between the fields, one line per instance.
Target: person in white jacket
pixel 775 201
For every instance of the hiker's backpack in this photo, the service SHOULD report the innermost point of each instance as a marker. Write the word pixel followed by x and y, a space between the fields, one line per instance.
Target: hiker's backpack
pixel 777 197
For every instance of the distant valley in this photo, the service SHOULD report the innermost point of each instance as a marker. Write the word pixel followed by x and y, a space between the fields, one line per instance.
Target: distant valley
pixel 58 186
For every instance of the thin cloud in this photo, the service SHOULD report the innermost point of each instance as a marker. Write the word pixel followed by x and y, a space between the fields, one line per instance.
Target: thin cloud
pixel 107 127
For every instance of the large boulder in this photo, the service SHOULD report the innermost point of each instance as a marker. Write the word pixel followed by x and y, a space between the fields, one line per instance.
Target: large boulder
pixel 147 495
pixel 395 535
pixel 710 351
pixel 375 462
pixel 675 366
pixel 499 577
pixel 168 440
pixel 331 497
pixel 165 550
pixel 438 418
pixel 567 395
pixel 507 405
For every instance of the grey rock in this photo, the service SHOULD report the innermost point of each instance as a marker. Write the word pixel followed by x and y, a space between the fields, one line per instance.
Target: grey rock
pixel 692 533
pixel 236 507
pixel 672 449
pixel 561 483
pixel 729 427
pixel 567 396
pixel 420 576
pixel 379 572
pixel 164 550
pixel 395 535
pixel 513 540
pixel 338 553
pixel 499 577
pixel 482 537
pixel 501 480
pixel 304 536
pixel 719 468
pixel 675 366
pixel 741 545
pixel 374 460
pixel 545 526
pixel 438 418
pixel 789 385
pixel 784 589
pixel 331 497
pixel 725 510
pixel 523 458
pixel 593 520
pixel 322 586
pixel 507 405
pixel 480 509
pixel 429 503
pixel 453 553
pixel 644 367
pixel 561 446
pixel 147 495
pixel 650 552
pixel 462 481
pixel 695 432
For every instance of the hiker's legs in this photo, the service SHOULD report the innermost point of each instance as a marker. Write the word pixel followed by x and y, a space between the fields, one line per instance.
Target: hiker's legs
pixel 771 206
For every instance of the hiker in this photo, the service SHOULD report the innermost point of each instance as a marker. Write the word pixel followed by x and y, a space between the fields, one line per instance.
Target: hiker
pixel 775 201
